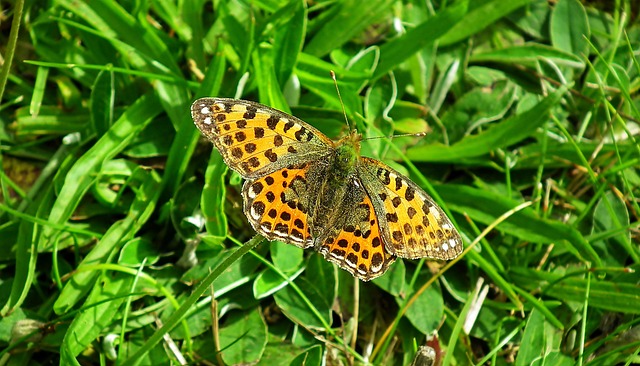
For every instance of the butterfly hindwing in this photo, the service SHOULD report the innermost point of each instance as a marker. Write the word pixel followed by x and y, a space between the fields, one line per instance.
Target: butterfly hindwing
pixel 277 206
pixel 353 239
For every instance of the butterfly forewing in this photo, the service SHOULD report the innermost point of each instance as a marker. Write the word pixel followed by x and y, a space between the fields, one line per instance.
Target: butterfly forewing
pixel 254 139
pixel 415 225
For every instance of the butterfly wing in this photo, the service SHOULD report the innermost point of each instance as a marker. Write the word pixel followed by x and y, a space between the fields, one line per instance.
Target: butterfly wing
pixel 413 225
pixel 353 240
pixel 255 140
pixel 277 205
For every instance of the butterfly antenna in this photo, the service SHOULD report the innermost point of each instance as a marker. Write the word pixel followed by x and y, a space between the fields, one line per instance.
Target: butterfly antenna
pixel 344 112
pixel 419 134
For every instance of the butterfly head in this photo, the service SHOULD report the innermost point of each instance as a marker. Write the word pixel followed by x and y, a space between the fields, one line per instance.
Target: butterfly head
pixel 348 152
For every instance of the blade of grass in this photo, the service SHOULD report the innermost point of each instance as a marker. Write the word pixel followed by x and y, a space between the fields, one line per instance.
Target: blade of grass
pixel 11 45
pixel 503 134
pixel 400 49
pixel 353 17
pixel 179 314
pixel 79 179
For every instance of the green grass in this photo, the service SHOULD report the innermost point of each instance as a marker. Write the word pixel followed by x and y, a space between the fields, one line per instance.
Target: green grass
pixel 119 223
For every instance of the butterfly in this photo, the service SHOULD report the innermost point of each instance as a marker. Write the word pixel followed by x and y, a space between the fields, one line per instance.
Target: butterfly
pixel 304 189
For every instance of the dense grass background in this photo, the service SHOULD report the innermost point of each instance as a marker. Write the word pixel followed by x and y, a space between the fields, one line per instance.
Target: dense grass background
pixel 118 224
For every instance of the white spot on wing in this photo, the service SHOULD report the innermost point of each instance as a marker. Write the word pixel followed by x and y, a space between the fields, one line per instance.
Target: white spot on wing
pixel 205 110
pixel 376 268
pixel 299 240
pixel 452 243
pixel 445 247
pixel 350 263
pixel 254 213
pixel 282 234
pixel 251 193
pixel 207 121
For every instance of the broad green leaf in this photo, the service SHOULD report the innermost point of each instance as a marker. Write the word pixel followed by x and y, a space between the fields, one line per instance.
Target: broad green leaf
pixel 532 18
pixel 314 74
pixel 303 310
pixel 154 141
pixel 322 274
pixel 393 280
pixel 238 274
pixel 491 321
pixel 286 257
pixel 99 311
pixel 9 321
pixel 310 357
pixel 539 339
pixel 136 251
pixel 475 110
pixel 569 28
pixel 269 282
pixel 279 352
pixel 557 358
pixel 243 337
pixel 183 209
pixel 428 309
pixel 610 215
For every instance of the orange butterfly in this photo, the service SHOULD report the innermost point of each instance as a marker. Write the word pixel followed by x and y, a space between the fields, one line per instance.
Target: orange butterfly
pixel 304 189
